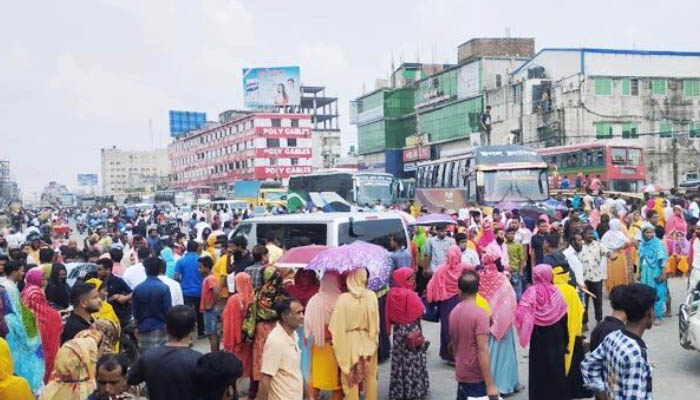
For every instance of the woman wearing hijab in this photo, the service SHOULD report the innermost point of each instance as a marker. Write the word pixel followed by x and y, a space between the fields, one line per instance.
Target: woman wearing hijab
pixel 404 309
pixel 603 226
pixel 232 322
pixel 676 222
pixel 304 287
pixel 74 372
pixel 487 236
pixel 678 249
pixel 167 255
pixel 106 310
pixel 615 241
pixel 652 263
pixel 541 322
pixel 661 209
pixel 443 290
pixel 496 288
pixel 354 327
pixel 57 290
pixel 324 366
pixel 11 387
pixel 48 319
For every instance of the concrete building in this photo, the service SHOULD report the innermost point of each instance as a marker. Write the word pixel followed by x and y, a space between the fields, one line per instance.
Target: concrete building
pixel 571 95
pixel 127 171
pixel 245 145
pixel 324 124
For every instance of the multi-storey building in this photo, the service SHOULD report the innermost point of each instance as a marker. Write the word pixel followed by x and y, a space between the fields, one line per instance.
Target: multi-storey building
pixel 324 124
pixel 246 145
pixel 125 171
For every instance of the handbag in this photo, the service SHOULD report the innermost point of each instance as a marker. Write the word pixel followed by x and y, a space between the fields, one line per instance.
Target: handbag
pixel 431 314
pixel 415 339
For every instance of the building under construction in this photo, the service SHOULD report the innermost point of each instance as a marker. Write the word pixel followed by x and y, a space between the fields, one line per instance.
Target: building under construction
pixel 324 125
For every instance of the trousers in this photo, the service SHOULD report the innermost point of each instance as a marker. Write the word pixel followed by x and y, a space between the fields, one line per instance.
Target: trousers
pixel 370 382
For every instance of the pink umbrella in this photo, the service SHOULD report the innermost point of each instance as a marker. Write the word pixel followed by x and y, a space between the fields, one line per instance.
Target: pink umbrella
pixel 299 257
pixel 355 255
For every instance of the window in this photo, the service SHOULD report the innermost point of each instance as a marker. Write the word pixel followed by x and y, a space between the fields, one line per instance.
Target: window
pixel 291 143
pixel 498 80
pixel 694 129
pixel 295 123
pixel 440 174
pixel 691 87
pixel 271 143
pixel 276 122
pixel 619 156
pixel 603 130
pixel 630 87
pixel 603 86
pixel 377 232
pixel 273 161
pixel 630 130
pixel 291 234
pixel 665 129
pixel 634 157
pixel 658 86
pixel 448 175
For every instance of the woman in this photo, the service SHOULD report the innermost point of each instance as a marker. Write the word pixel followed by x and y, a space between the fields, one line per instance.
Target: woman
pixel 678 248
pixel 262 318
pixel 652 262
pixel 167 255
pixel 404 309
pixel 495 287
pixel 660 207
pixel 615 241
pixel 419 241
pixel 106 310
pixel 57 291
pixel 73 377
pixel 541 322
pixel 109 333
pixel 232 321
pixel 354 327
pixel 304 287
pixel 487 236
pixel 324 366
pixel 603 226
pixel 49 320
pixel 11 387
pixel 676 222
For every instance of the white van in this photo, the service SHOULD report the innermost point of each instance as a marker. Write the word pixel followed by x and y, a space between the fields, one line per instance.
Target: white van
pixel 327 229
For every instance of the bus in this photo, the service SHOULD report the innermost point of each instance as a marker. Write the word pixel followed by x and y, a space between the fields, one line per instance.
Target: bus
pixel 201 192
pixel 486 175
pixel 358 188
pixel 621 166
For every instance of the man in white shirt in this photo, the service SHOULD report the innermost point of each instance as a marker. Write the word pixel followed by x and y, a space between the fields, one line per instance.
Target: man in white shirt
pixel 694 208
pixel 695 272
pixel 571 253
pixel 176 296
pixel 136 274
pixel 469 256
pixel 200 227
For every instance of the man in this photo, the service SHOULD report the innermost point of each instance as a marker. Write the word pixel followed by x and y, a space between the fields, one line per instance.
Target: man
pixel 469 255
pixel 136 274
pixel 151 304
pixel 187 273
pixel 281 365
pixel 694 277
pixel 556 258
pixel 593 258
pixel 400 256
pixel 116 254
pixel 175 290
pixel 111 378
pixel 516 261
pixel 200 227
pixel 572 257
pixel 469 342
pixel 167 370
pixel 215 376
pixel 223 267
pixel 613 322
pixel 537 243
pixel 499 249
pixel 242 257
pixel 273 247
pixel 618 368
pixel 694 208
pixel 653 218
pixel 485 124
pixel 436 250
pixel 260 260
pixel 118 292
pixel 85 300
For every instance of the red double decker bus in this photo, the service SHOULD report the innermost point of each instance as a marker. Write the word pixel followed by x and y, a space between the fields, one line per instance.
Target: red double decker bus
pixel 621 166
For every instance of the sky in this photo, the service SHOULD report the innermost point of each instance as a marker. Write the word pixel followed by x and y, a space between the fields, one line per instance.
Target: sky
pixel 80 75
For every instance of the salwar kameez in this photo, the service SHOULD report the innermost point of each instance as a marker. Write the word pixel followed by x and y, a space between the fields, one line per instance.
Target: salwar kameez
pixel 652 261
pixel 409 371
pixel 504 362
pixel 445 308
pixel 547 380
pixel 384 351
pixel 617 270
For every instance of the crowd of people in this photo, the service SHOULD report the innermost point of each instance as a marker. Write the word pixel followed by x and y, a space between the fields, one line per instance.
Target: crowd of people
pixel 491 279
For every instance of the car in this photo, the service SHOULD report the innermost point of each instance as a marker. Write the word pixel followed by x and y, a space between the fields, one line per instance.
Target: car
pixel 80 270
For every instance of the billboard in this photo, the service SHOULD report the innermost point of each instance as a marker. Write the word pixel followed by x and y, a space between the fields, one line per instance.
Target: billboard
pixel 184 121
pixel 87 179
pixel 271 87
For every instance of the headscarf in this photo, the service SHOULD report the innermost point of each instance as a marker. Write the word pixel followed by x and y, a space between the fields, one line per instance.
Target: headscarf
pixel 487 235
pixel 495 287
pixel 11 387
pixel 354 324
pixel 420 238
pixel 305 286
pixel 110 332
pixel 211 245
pixel 403 305
pixel 320 307
pixel 614 239
pixel 652 252
pixel 57 291
pixel 594 218
pixel 48 319
pixel 443 284
pixel 542 304
pixel 574 315
pixel 167 255
pixel 235 310
pixel 106 313
pixel 677 223
pixel 659 207
pixel 73 377
pixel 674 247
pixel 262 307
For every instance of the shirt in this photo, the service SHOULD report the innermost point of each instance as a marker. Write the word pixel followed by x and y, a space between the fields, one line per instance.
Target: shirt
pixel 436 248
pixel 470 257
pixel 242 261
pixel 607 326
pixel 274 252
pixel 116 285
pixel 134 275
pixel 208 300
pixel 516 255
pixel 74 324
pixel 151 302
pixel 537 246
pixel 221 269
pixel 694 209
pixel 175 290
pixel 523 236
pixel 619 367
pixel 467 321
pixel 592 256
pixel 255 272
pixel 171 383
pixel 190 279
pixel 281 360
pixel 574 263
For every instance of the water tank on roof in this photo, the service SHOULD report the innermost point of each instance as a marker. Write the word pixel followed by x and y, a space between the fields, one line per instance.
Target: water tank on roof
pixel 535 73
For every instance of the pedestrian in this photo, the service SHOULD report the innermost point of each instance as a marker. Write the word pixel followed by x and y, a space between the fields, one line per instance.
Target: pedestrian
pixel 57 290
pixel 694 258
pixel 618 368
pixel 542 324
pixel 215 376
pixel 11 387
pixel 404 309
pixel 118 292
pixel 110 378
pixel 273 247
pixel 166 254
pixel 652 264
pixel 593 256
pixel 232 322
pixel 678 248
pixel 73 377
pixel 516 261
pixel 151 304
pixel 187 273
pixel 86 301
pixel 136 274
pixel 676 222
pixel 208 306
pixel 610 323
pixel 537 242
pixel 167 370
pixel 305 286
pixel 469 335
pixel 436 250
pixel 116 254
pixel 176 296
pixel 615 241
pixel 324 366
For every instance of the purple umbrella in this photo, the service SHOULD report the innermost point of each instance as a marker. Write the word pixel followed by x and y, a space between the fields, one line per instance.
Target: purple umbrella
pixel 434 219
pixel 356 255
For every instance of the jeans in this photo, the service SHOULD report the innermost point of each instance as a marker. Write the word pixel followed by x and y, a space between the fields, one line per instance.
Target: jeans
pixel 194 303
pixel 597 289
pixel 516 279
pixel 467 390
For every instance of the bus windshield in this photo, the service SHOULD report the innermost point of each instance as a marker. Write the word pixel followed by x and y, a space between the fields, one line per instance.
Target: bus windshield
pixel 374 188
pixel 516 185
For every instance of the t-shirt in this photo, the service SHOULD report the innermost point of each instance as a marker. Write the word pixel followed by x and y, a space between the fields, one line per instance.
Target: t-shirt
pixel 74 324
pixel 607 326
pixel 134 275
pixel 208 299
pixel 282 361
pixel 436 248
pixel 190 279
pixel 537 245
pixel 516 255
pixel 171 383
pixel 467 321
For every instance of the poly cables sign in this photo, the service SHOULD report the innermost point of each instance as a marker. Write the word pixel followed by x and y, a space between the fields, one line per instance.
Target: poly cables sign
pixel 284 132
pixel 284 152
pixel 282 172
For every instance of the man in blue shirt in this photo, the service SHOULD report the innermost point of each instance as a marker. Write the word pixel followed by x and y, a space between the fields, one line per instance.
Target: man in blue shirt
pixel 151 300
pixel 187 273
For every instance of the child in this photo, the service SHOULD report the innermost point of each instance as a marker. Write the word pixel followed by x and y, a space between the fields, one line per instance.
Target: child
pixel 207 305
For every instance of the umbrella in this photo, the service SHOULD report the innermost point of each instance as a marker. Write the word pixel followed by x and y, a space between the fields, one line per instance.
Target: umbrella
pixel 554 204
pixel 507 205
pixel 535 212
pixel 652 188
pixel 299 257
pixel 356 255
pixel 434 219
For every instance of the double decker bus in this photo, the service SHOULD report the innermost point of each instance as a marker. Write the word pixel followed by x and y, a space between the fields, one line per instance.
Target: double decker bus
pixel 486 175
pixel 621 166
pixel 359 188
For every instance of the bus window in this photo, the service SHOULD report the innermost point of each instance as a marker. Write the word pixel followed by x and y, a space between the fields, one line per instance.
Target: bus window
pixel 456 173
pixel 433 176
pixel 618 156
pixel 588 159
pixel 439 174
pixel 634 157
pixel 419 175
pixel 447 182
pixel 600 159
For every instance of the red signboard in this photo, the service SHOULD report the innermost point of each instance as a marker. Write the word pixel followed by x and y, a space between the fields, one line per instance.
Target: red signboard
pixel 284 152
pixel 289 132
pixel 282 172
pixel 416 153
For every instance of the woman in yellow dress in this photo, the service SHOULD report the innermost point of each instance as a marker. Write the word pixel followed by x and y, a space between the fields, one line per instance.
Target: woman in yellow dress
pixel 11 386
pixel 106 310
pixel 615 241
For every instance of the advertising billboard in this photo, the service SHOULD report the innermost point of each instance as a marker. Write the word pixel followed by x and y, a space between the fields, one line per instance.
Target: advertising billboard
pixel 87 179
pixel 271 87
pixel 185 121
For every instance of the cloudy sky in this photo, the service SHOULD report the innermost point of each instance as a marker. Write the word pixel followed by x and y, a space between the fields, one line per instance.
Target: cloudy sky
pixel 79 75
